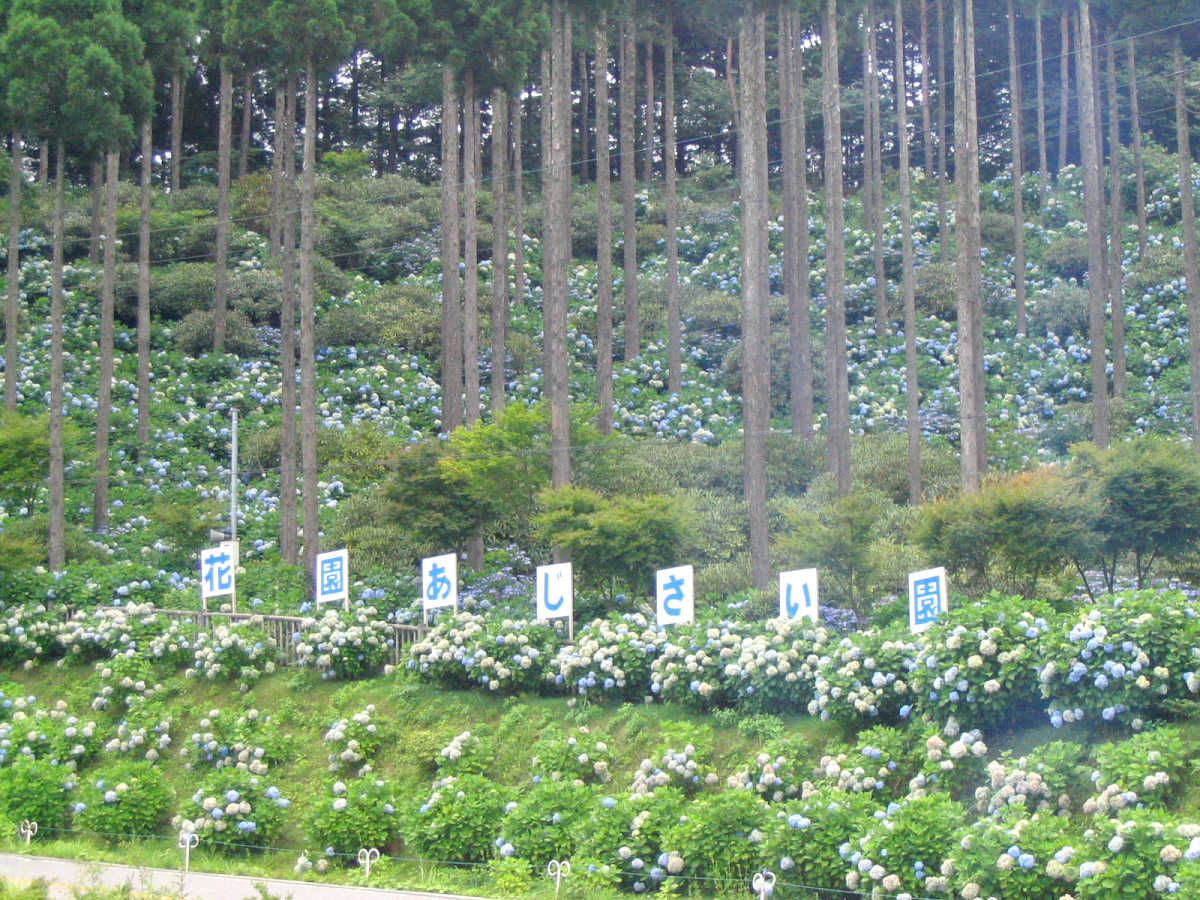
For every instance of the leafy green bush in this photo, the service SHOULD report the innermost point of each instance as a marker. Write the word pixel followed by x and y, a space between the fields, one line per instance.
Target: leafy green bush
pixel 1161 265
pixel 904 850
pixel 234 811
pixel 458 820
pixel 721 837
pixel 1153 764
pixel 996 231
pixel 1067 257
pixel 934 291
pixel 624 837
pixel 545 823
pixel 122 801
pixel 1010 855
pixel 1061 311
pixel 804 844
pixel 1131 856
pixel 194 335
pixel 359 814
pixel 35 790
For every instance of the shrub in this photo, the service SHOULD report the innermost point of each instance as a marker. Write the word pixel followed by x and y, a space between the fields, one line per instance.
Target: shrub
pixel 234 811
pixel 545 823
pixel 457 823
pixel 996 231
pixel 359 814
pixel 904 849
pixel 353 740
pixel 1013 856
pixel 1134 855
pixel 721 837
pixel 572 757
pixel 345 645
pixel 804 843
pixel 256 293
pixel 934 291
pixel 122 801
pixel 1061 311
pixel 1067 257
pixel 35 790
pixel 1161 265
pixel 194 335
pixel 624 837
pixel 1154 765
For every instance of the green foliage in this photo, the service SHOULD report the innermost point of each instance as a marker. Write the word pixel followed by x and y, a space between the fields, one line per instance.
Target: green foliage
pixel 996 231
pixel 24 459
pixel 359 814
pixel 622 539
pixel 1159 266
pixel 1061 311
pixel 124 800
pixel 721 836
pixel 985 867
pixel 919 829
pixel 803 844
pixel 934 291
pixel 193 336
pixel 234 811
pixel 1145 851
pixel 1154 765
pixel 35 790
pixel 546 823
pixel 624 837
pixel 1067 257
pixel 458 820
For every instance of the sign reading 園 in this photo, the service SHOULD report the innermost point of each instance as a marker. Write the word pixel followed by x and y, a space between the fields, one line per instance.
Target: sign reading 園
pixel 927 599
pixel 332 578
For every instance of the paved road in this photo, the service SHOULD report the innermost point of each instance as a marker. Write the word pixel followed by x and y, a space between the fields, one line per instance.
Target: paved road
pixel 64 874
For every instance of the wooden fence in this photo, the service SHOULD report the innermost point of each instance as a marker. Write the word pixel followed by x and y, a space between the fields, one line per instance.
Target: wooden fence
pixel 282 630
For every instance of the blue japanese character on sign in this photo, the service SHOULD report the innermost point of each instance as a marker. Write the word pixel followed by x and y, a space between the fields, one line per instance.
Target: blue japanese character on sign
pixel 927 599
pixel 217 566
pixel 672 594
pixel 554 597
pixel 798 594
pixel 333 576
pixel 439 584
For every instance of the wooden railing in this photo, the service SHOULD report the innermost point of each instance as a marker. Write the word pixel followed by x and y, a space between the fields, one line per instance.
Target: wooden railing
pixel 282 630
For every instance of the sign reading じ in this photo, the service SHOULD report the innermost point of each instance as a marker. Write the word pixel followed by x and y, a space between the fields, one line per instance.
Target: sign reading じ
pixel 675 600
pixel 217 568
pixel 926 598
pixel 332 577
pixel 798 595
pixel 439 582
pixel 555 592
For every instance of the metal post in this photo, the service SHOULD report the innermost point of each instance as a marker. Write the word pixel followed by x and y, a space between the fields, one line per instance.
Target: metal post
pixel 187 840
pixel 233 477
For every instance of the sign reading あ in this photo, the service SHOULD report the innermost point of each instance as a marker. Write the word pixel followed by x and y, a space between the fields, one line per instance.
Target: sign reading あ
pixel 439 582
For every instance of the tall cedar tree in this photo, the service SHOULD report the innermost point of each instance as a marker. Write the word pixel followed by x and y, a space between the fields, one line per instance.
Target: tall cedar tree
pixel 628 149
pixel 604 235
pixel 907 288
pixel 674 325
pixel 557 252
pixel 1017 138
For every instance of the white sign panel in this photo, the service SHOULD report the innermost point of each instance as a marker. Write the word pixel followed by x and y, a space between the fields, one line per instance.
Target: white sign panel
pixel 217 568
pixel 675 599
pixel 927 599
pixel 439 582
pixel 798 595
pixel 332 578
pixel 555 592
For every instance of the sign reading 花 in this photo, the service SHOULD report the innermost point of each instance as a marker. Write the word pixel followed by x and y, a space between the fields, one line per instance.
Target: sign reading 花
pixel 217 568
pixel 798 595
pixel 439 582
pixel 332 578
pixel 555 592
pixel 927 599
pixel 675 601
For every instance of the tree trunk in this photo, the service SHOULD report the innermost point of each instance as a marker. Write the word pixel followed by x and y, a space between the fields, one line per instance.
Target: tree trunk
pixel 289 538
pixel 224 127
pixel 837 382
pixel 12 309
pixel 648 134
pixel 43 162
pixel 911 387
pixel 1191 258
pixel 1039 53
pixel 943 216
pixel 57 476
pixel 247 120
pixel 1064 88
pixel 557 252
pixel 143 290
pixel 108 280
pixel 674 325
pixel 604 236
pixel 470 249
pixel 875 176
pixel 795 227
pixel 308 362
pixel 926 106
pixel 1018 167
pixel 586 159
pixel 275 228
pixel 452 338
pixel 499 245
pixel 176 129
pixel 628 86
pixel 756 360
pixel 516 121
pixel 1139 167
pixel 968 278
pixel 1093 197
pixel 1115 215
pixel 96 186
